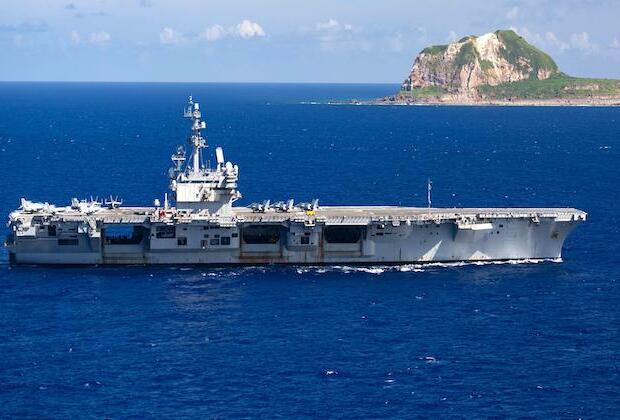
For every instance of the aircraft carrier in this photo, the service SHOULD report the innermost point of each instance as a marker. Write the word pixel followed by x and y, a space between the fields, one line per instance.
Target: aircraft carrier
pixel 199 224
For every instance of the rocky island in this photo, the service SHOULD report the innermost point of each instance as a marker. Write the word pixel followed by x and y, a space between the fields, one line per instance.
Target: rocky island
pixel 498 68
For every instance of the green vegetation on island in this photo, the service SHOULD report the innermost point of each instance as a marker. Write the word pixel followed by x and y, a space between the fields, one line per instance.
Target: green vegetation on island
pixel 426 92
pixel 559 86
pixel 524 56
pixel 435 49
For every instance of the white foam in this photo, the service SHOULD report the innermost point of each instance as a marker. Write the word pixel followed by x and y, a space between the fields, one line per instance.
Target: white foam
pixel 418 268
pixel 367 269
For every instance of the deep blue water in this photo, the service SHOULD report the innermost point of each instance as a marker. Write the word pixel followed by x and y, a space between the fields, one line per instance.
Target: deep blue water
pixel 535 340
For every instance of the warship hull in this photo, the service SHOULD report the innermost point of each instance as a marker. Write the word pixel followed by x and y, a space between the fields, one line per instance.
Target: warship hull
pixel 202 226
pixel 331 235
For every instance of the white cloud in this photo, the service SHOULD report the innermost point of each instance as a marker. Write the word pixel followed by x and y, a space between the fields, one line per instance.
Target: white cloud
pixel 100 38
pixel 334 36
pixel 513 13
pixel 213 33
pixel 576 41
pixel 615 44
pixel 329 25
pixel 581 41
pixel 169 36
pixel 452 36
pixel 332 25
pixel 553 41
pixel 248 29
pixel 75 37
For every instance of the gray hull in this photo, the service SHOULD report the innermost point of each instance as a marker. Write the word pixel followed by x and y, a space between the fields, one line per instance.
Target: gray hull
pixel 381 235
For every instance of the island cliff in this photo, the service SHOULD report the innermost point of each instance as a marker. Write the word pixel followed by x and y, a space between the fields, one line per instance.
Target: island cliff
pixel 497 68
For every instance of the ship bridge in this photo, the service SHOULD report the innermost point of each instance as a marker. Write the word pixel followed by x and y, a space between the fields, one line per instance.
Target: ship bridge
pixel 195 183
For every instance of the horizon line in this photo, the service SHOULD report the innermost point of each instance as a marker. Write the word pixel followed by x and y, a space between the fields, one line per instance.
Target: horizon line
pixel 199 82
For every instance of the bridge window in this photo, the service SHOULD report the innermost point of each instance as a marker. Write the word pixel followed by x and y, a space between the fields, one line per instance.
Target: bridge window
pixel 261 234
pixel 342 234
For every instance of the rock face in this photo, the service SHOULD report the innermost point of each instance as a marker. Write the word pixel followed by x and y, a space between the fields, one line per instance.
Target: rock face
pixel 460 68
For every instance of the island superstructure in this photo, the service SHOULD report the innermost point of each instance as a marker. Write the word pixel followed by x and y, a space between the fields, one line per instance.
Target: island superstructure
pixel 199 224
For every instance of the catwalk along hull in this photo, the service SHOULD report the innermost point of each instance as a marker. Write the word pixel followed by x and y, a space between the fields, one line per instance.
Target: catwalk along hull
pixel 330 235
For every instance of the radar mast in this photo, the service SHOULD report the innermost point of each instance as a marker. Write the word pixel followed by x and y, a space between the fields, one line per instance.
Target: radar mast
pixel 192 111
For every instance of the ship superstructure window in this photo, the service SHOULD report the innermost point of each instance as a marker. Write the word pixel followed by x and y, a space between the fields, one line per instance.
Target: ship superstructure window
pixel 225 240
pixel 182 241
pixel 261 234
pixel 342 234
pixel 305 240
pixel 162 232
pixel 68 241
pixel 51 230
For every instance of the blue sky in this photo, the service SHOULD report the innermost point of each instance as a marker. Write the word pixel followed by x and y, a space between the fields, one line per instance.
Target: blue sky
pixel 283 41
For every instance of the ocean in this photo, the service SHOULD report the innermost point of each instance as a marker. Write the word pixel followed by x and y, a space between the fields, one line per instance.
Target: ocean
pixel 518 339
